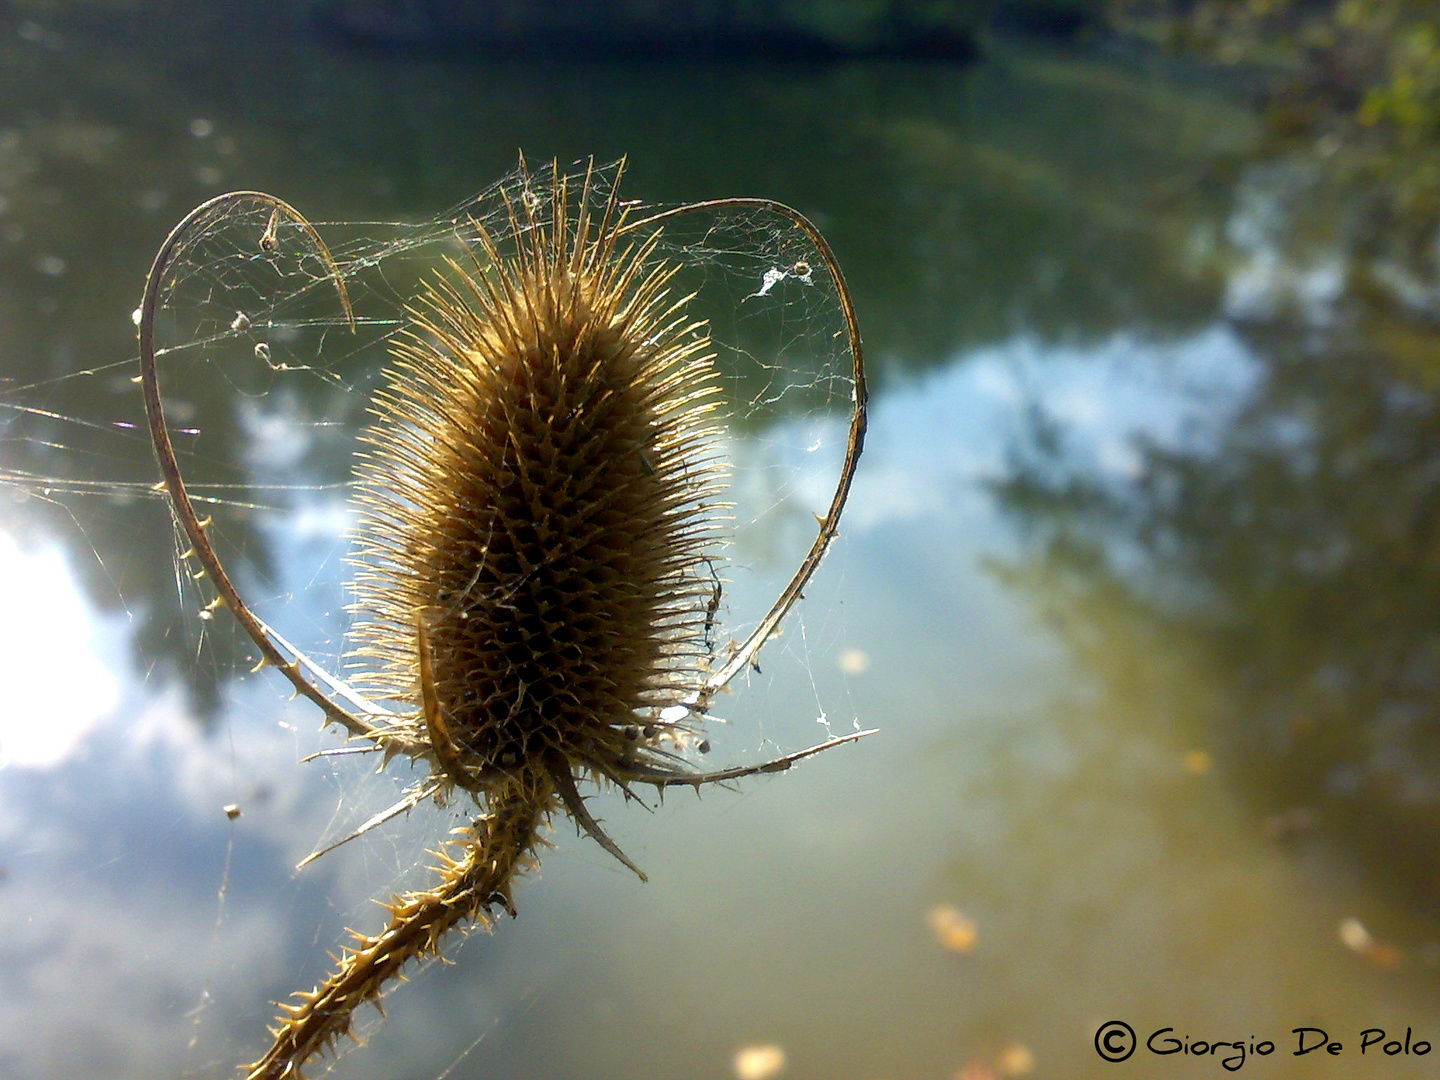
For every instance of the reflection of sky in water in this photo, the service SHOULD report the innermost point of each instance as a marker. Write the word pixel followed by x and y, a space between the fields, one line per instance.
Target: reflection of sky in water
pixel 116 841
pixel 1103 877
pixel 54 662
pixel 111 869
pixel 935 443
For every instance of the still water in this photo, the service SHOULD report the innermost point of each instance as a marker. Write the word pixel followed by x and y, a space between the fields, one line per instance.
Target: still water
pixel 1134 581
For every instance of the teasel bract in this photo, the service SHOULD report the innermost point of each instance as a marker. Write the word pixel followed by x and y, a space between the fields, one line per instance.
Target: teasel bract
pixel 536 580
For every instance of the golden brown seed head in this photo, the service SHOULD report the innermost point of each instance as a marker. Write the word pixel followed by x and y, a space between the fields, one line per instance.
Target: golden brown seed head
pixel 535 501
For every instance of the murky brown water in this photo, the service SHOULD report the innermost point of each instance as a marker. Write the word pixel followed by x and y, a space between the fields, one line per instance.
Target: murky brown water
pixel 1156 716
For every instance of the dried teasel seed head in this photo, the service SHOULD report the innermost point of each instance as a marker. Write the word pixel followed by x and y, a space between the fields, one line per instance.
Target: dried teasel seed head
pixel 537 503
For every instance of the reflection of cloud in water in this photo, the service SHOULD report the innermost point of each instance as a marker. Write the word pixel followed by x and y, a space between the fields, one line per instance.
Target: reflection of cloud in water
pixel 112 861
pixel 1270 278
pixel 933 444
pixel 279 434
pixel 114 842
pixel 54 659
pixel 94 978
pixel 922 510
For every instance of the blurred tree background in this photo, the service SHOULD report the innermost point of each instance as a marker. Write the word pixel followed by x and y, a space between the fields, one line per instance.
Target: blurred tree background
pixel 1352 87
pixel 1289 565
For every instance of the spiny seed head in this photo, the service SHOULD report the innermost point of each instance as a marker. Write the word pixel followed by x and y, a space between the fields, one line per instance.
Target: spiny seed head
pixel 537 501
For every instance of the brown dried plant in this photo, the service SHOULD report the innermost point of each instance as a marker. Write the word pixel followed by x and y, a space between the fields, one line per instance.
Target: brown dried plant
pixel 538 503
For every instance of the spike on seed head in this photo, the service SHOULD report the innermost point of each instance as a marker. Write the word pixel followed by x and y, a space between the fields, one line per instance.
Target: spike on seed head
pixel 535 501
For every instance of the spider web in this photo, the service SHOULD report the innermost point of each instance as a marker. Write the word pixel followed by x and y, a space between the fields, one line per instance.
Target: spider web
pixel 255 308
pixel 267 379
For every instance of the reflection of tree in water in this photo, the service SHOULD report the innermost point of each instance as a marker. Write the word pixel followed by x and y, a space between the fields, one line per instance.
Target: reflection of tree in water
pixel 1292 573
pixel 1105 863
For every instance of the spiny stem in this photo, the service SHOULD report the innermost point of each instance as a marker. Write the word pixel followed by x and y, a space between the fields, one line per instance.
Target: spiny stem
pixel 468 891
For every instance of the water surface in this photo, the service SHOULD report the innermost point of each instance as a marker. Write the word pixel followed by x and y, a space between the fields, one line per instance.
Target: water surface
pixel 1154 716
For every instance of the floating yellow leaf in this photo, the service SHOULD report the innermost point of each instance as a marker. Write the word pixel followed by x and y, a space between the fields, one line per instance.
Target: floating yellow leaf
pixel 952 928
pixel 1380 953
pixel 854 661
pixel 1197 762
pixel 1354 935
pixel 759 1062
pixel 1015 1059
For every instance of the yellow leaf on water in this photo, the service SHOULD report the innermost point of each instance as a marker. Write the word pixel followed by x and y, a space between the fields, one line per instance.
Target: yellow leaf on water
pixel 1197 762
pixel 1354 935
pixel 1380 953
pixel 954 929
pixel 759 1062
pixel 1015 1060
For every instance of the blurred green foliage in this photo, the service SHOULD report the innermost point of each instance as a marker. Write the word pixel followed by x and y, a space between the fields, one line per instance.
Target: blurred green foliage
pixel 1353 83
